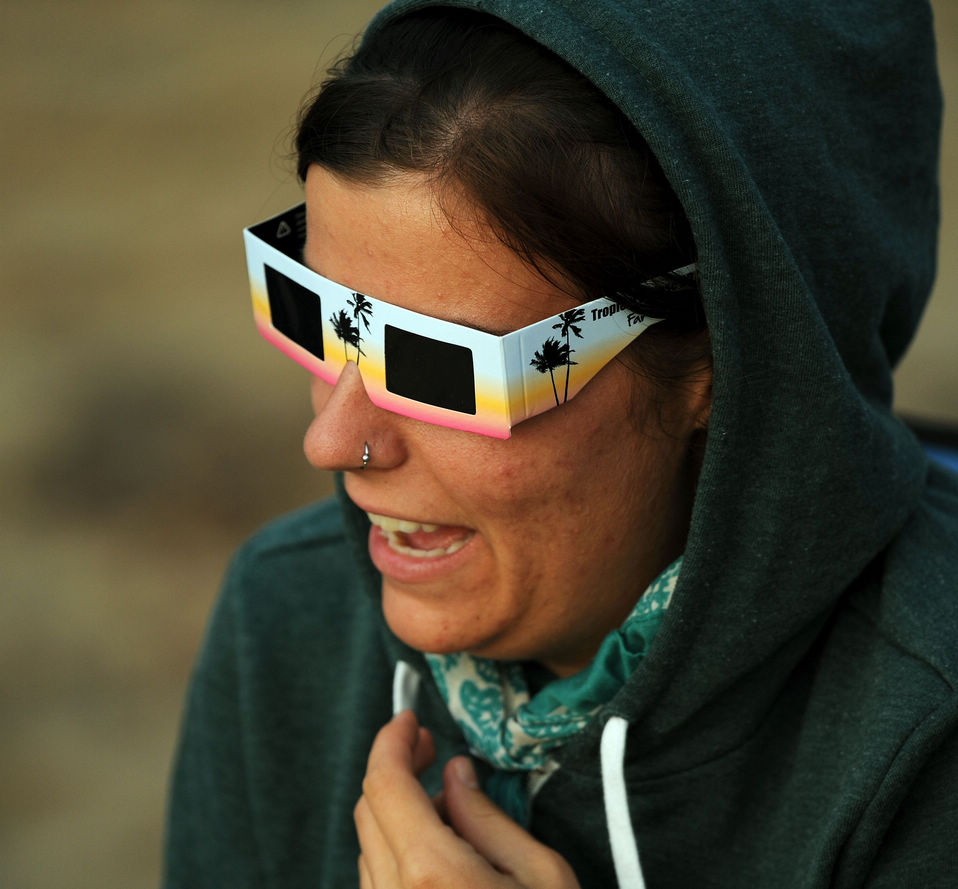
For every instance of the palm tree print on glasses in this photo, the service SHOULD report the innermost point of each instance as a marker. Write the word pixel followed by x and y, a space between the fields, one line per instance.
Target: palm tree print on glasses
pixel 567 324
pixel 346 331
pixel 553 354
pixel 362 312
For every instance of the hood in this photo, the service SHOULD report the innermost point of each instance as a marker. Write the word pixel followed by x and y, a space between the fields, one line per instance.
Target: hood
pixel 802 140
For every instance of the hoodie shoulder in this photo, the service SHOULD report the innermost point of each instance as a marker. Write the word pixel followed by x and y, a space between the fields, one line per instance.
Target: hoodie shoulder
pixel 317 525
pixel 292 680
pixel 297 590
pixel 307 546
pixel 917 609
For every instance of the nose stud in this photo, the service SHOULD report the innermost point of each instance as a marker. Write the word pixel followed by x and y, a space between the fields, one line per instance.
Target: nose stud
pixel 365 455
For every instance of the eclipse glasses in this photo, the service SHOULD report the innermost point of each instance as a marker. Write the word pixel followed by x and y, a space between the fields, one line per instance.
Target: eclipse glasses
pixel 419 366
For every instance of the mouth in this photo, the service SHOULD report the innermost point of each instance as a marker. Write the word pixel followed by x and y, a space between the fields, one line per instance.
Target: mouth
pixel 421 540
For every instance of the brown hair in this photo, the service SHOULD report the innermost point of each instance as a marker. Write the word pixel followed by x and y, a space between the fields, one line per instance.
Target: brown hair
pixel 556 169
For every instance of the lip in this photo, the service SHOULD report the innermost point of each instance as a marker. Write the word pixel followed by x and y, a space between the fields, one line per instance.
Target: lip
pixel 407 569
pixel 376 510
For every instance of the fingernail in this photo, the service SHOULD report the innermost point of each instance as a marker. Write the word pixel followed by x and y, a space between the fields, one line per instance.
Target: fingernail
pixel 465 772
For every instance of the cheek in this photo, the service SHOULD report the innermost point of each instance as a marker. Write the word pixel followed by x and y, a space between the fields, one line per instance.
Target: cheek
pixel 580 482
pixel 536 483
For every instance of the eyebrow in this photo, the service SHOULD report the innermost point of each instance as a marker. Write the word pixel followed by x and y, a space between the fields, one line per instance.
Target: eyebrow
pixel 494 331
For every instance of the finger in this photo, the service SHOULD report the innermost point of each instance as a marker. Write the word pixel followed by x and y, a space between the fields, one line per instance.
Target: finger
pixel 439 804
pixel 377 865
pixel 403 812
pixel 424 752
pixel 496 837
pixel 365 878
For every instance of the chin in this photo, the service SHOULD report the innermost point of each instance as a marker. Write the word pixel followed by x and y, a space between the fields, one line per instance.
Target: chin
pixel 427 629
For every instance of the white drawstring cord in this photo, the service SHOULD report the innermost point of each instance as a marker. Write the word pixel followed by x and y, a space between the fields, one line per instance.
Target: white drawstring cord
pixel 625 852
pixel 405 687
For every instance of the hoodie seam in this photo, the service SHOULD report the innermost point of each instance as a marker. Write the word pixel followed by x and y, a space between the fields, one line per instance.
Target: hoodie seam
pixel 890 779
pixel 901 648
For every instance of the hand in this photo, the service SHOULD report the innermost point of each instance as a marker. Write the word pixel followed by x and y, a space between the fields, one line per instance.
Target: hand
pixel 407 845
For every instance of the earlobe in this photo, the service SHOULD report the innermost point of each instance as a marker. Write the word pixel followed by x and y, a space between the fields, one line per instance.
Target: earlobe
pixel 704 413
pixel 701 414
pixel 698 386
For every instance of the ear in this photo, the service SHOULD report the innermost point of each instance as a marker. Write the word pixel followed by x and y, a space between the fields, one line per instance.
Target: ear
pixel 691 407
pixel 700 408
pixel 698 414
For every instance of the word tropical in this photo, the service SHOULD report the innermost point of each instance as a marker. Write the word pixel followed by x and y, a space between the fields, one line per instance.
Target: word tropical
pixel 606 311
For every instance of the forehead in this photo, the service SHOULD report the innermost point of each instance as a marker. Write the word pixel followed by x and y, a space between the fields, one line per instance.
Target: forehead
pixel 396 242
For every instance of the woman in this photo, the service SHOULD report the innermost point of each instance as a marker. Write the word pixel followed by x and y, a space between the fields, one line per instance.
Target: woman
pixel 670 662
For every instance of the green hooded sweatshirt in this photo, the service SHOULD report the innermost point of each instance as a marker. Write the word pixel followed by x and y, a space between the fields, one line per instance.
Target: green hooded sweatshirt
pixel 795 721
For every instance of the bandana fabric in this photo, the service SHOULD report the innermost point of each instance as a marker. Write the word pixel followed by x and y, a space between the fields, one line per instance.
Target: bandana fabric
pixel 514 730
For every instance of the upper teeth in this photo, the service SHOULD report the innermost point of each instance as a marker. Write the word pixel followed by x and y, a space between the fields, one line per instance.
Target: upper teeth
pixel 388 523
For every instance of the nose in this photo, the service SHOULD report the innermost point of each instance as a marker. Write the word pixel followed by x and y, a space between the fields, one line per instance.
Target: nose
pixel 346 423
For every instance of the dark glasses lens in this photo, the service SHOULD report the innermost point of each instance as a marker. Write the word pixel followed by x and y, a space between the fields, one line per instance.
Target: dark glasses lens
pixel 295 311
pixel 429 371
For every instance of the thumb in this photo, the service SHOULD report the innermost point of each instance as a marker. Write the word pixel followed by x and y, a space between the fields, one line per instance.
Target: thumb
pixel 495 836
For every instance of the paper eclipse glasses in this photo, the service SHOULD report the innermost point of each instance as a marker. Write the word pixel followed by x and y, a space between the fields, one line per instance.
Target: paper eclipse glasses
pixel 423 367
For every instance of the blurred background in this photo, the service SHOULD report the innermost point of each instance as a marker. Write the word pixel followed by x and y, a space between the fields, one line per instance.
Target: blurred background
pixel 146 429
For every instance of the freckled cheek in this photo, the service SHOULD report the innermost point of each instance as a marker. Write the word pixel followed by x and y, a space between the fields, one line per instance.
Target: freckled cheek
pixel 526 500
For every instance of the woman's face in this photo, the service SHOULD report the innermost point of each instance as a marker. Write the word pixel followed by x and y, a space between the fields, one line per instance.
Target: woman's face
pixel 543 541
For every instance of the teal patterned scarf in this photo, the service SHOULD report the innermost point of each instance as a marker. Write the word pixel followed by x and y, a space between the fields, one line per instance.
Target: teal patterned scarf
pixel 516 731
